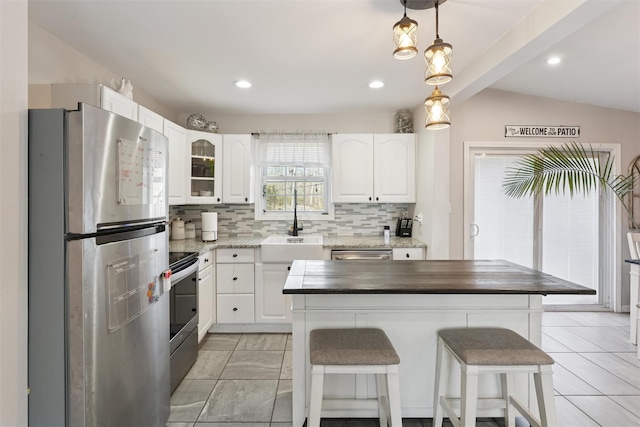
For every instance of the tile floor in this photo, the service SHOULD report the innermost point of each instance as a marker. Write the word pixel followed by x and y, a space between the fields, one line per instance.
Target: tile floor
pixel 244 380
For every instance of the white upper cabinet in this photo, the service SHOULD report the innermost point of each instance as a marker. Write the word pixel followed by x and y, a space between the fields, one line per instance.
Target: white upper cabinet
pixel 374 168
pixel 67 96
pixel 150 119
pixel 177 136
pixel 352 168
pixel 204 180
pixel 237 169
pixel 119 104
pixel 394 167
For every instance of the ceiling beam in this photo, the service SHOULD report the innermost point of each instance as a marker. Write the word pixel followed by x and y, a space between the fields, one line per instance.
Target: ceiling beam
pixel 548 23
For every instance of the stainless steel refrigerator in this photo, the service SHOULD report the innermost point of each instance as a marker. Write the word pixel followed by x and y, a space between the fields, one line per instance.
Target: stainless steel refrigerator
pixel 98 248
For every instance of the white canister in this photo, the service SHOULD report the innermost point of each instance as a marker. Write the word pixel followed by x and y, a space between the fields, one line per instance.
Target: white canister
pixel 190 230
pixel 209 226
pixel 177 229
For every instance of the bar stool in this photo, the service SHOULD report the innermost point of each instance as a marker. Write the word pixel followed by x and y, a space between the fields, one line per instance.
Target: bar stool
pixel 491 350
pixel 355 351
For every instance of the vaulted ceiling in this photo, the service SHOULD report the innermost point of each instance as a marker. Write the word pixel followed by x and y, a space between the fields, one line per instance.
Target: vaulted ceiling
pixel 318 56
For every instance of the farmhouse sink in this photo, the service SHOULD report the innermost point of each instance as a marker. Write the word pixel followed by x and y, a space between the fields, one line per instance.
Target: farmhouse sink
pixel 280 248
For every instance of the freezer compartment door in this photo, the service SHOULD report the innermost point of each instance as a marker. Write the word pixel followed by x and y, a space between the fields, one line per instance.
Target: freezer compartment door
pixel 118 331
pixel 117 171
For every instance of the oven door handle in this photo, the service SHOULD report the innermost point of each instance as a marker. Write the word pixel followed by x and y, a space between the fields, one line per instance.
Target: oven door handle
pixel 181 274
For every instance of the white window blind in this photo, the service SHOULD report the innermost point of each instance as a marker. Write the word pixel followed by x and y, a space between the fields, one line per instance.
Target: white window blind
pixel 294 149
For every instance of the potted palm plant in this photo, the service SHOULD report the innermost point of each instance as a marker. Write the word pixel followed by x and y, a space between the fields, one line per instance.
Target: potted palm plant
pixel 567 168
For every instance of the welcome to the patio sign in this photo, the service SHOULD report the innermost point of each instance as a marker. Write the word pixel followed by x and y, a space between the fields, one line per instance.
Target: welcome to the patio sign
pixel 542 131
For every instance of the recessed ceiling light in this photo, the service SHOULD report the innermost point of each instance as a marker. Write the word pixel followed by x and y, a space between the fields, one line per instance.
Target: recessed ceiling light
pixel 242 84
pixel 553 60
pixel 376 84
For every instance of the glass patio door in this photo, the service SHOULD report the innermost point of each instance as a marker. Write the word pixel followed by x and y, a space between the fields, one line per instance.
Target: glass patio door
pixel 555 234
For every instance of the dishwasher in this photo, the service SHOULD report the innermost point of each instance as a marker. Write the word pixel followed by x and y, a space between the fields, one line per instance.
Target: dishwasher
pixel 361 254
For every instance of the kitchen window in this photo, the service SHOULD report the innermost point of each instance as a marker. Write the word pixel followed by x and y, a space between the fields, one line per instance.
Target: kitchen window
pixel 294 161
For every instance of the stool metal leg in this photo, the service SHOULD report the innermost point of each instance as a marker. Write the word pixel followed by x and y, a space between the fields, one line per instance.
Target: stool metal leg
pixel 469 396
pixel 544 393
pixel 442 369
pixel 315 399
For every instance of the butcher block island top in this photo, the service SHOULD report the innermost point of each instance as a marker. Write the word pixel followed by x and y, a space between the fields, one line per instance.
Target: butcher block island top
pixel 423 277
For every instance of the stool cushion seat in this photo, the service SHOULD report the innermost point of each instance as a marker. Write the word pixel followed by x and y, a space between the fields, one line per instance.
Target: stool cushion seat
pixel 493 346
pixel 351 346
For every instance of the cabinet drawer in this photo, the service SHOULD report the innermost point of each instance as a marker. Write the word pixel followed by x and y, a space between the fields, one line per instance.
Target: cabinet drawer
pixel 408 254
pixel 235 255
pixel 235 309
pixel 235 278
pixel 206 259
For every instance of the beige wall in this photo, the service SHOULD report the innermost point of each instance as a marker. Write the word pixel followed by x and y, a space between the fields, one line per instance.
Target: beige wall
pixel 380 122
pixel 13 213
pixel 484 116
pixel 53 61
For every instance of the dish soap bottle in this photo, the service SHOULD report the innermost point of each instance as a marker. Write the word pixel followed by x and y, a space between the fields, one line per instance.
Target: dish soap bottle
pixel 386 234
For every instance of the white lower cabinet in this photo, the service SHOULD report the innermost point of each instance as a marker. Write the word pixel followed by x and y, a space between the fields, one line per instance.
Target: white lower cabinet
pixel 206 294
pixel 234 308
pixel 235 285
pixel 272 306
pixel 411 254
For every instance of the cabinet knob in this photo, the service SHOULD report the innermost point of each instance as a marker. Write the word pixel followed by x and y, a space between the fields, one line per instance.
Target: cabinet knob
pixel 218 199
pixel 235 278
pixel 369 198
pixel 289 268
pixel 377 199
pixel 408 255
pixel 246 199
pixel 235 308
pixel 235 255
pixel 206 260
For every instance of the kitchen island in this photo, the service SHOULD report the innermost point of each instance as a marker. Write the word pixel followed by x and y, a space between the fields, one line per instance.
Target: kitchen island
pixel 410 301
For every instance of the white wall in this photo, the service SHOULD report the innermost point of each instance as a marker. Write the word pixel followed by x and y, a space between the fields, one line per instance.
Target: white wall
pixel 432 187
pixel 53 61
pixel 13 213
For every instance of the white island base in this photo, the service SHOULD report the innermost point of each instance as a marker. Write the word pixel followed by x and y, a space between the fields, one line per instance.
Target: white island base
pixel 411 321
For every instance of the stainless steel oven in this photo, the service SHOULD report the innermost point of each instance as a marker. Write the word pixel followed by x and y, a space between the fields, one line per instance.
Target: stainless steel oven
pixel 183 317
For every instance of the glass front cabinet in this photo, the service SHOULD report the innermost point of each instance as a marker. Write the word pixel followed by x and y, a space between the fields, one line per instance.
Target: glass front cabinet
pixel 205 174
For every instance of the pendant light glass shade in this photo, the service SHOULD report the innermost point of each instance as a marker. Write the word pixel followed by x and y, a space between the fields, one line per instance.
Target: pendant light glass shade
pixel 437 108
pixel 405 37
pixel 438 58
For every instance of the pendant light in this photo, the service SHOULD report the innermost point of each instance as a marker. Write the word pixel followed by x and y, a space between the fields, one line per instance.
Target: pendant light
pixel 438 58
pixel 437 108
pixel 405 37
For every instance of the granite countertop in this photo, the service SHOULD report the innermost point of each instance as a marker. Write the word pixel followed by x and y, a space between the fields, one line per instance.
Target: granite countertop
pixel 331 242
pixel 423 277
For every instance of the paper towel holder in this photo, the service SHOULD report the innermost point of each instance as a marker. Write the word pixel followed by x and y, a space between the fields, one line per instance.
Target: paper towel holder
pixel 209 226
